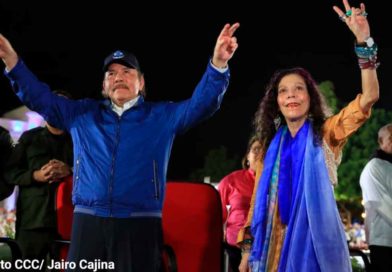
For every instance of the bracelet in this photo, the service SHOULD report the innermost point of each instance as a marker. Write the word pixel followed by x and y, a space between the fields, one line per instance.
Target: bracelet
pixel 368 63
pixel 246 245
pixel 366 52
pixel 367 56
pixel 245 248
pixel 247 242
pixel 244 251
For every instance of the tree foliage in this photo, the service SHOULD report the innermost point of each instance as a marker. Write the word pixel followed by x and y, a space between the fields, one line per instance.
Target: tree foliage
pixel 357 153
pixel 217 164
pixel 327 89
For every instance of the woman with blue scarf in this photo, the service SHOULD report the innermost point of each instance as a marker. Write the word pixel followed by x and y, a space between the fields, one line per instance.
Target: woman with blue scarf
pixel 293 223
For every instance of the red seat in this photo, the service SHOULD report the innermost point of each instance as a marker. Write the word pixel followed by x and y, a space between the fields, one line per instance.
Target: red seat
pixel 64 210
pixel 192 226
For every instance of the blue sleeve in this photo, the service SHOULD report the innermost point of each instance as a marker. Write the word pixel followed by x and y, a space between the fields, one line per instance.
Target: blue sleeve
pixel 205 101
pixel 37 96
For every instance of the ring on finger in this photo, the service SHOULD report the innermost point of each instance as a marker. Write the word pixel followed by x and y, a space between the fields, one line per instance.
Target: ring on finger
pixel 343 18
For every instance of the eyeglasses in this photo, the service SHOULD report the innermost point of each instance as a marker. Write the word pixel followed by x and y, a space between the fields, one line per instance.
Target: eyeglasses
pixel 255 150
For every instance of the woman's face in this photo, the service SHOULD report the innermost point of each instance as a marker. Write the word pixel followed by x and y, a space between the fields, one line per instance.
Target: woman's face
pixel 293 98
pixel 254 155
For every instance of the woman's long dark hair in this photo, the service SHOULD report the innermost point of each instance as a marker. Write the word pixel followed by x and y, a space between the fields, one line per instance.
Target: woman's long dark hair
pixel 268 113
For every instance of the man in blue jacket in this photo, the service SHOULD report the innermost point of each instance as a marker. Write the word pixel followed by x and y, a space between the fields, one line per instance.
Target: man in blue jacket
pixel 121 148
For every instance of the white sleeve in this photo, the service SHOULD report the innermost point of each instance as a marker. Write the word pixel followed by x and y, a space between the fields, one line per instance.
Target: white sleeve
pixel 374 193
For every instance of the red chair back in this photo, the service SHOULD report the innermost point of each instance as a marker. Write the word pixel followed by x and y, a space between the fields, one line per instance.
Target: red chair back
pixel 64 210
pixel 192 226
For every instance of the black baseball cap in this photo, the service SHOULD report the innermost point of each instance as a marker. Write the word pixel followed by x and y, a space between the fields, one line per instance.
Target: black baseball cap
pixel 121 57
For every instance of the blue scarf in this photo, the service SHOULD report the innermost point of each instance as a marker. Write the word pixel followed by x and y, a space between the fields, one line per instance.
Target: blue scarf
pixel 315 239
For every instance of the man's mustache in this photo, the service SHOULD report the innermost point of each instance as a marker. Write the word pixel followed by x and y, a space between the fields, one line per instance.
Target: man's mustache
pixel 120 85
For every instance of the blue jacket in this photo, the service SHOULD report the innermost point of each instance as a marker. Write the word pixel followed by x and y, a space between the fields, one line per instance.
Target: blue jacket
pixel 120 163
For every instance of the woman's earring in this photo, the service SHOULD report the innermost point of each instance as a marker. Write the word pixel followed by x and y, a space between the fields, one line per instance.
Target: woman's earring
pixel 277 122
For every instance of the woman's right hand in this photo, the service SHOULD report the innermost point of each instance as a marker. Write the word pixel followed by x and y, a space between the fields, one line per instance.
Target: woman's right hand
pixel 356 20
pixel 244 265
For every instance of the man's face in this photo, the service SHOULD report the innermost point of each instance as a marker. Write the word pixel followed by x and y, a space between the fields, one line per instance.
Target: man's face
pixel 121 83
pixel 386 141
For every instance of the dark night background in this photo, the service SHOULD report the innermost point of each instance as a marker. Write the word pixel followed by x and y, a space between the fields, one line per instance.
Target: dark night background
pixel 64 44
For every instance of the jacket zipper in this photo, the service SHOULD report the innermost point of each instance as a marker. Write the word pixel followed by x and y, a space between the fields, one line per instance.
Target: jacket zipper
pixel 155 179
pixel 77 172
pixel 112 169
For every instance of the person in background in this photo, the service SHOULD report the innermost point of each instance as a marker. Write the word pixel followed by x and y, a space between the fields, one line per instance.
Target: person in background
pixel 376 185
pixel 293 222
pixel 235 191
pixel 5 151
pixel 122 147
pixel 42 157
pixel 357 236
